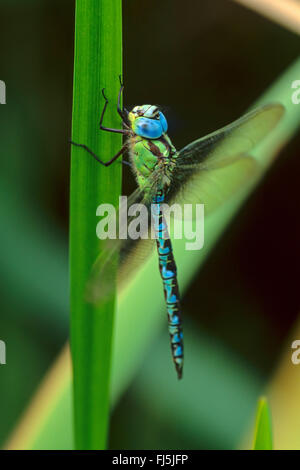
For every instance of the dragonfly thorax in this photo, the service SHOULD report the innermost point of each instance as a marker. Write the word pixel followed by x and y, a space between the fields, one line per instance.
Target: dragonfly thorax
pixel 149 156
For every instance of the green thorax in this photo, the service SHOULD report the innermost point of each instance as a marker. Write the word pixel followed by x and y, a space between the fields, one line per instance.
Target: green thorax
pixel 148 156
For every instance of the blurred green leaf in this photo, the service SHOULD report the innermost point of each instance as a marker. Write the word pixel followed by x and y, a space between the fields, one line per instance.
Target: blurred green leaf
pixel 263 439
pixel 211 406
pixel 41 247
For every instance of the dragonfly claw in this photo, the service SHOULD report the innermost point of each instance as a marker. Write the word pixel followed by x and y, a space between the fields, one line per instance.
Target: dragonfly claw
pixel 104 95
pixel 121 81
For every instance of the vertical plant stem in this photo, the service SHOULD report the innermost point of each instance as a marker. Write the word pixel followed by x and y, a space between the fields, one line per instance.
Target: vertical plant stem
pixel 97 65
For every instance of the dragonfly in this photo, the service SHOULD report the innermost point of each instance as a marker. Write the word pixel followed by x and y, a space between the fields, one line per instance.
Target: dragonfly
pixel 194 173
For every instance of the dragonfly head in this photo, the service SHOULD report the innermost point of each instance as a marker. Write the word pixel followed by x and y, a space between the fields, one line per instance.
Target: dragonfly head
pixel 148 121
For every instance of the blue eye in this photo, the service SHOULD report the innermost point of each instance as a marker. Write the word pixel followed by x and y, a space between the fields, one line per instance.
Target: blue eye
pixel 163 122
pixel 148 128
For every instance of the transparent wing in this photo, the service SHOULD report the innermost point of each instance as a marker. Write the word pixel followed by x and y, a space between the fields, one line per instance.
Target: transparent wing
pixel 122 256
pixel 213 187
pixel 237 138
pixel 211 169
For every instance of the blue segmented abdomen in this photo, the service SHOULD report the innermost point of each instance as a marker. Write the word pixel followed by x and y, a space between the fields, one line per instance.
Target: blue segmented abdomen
pixel 168 272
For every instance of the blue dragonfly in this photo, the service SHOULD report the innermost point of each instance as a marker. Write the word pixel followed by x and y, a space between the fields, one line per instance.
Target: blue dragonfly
pixel 164 175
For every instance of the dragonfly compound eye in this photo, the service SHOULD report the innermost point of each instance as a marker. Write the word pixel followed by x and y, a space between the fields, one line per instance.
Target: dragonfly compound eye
pixel 163 122
pixel 148 128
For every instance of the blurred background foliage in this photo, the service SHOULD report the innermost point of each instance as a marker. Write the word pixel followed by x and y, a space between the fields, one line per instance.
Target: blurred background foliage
pixel 205 62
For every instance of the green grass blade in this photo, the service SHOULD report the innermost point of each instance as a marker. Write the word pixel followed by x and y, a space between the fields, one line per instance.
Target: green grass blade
pixel 263 439
pixel 98 64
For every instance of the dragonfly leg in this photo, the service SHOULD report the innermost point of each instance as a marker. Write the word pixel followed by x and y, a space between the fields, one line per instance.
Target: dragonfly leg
pixel 85 147
pixel 123 113
pixel 109 129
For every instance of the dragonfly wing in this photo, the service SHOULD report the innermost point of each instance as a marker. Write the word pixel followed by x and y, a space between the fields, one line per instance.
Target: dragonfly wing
pixel 215 186
pixel 113 251
pixel 213 168
pixel 237 138
pixel 124 255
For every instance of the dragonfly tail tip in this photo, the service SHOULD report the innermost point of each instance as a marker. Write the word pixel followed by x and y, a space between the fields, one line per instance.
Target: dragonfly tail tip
pixel 179 372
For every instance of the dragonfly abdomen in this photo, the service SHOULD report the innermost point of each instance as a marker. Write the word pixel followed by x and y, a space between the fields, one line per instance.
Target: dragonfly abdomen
pixel 168 272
